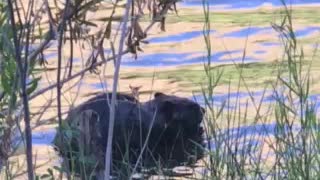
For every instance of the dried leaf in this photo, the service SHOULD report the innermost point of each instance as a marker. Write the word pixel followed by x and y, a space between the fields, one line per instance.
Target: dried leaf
pixel 162 24
pixel 101 52
pixel 108 30
pixel 138 32
pixel 113 53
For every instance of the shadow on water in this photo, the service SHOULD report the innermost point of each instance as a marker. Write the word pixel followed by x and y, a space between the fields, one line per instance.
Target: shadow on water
pixel 248 31
pixel 268 44
pixel 157 59
pixel 233 4
pixel 44 137
pixel 98 86
pixel 307 31
pixel 176 59
pixel 222 99
pixel 265 97
pixel 177 37
pixel 260 52
pixel 54 56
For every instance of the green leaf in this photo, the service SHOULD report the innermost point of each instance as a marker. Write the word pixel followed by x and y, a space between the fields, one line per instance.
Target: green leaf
pixel 50 171
pixel 13 99
pixel 45 176
pixel 5 82
pixel 8 75
pixel 58 168
pixel 33 85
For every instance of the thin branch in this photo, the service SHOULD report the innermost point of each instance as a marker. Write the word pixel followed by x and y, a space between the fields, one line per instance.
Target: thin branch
pixel 59 85
pixel 24 94
pixel 108 161
pixel 42 46
pixel 80 73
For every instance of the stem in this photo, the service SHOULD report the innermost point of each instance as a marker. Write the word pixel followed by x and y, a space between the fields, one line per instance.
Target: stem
pixel 59 84
pixel 71 48
pixel 23 73
pixel 113 98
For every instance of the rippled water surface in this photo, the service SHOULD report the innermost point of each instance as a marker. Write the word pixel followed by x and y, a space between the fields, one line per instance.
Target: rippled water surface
pixel 236 4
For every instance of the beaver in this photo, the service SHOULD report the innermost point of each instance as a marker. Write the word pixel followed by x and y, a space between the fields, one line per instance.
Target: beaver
pixel 169 127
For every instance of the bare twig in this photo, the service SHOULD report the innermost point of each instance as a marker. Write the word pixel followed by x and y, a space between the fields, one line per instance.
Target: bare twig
pixel 108 162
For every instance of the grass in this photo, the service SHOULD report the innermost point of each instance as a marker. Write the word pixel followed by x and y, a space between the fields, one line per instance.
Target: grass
pixel 294 150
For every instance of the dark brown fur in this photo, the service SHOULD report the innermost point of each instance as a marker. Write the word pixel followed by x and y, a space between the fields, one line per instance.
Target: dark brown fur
pixel 176 134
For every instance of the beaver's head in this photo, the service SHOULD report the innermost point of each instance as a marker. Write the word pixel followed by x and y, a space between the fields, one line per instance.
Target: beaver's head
pixel 174 113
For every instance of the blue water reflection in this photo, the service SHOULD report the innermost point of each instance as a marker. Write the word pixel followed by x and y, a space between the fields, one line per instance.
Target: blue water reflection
pixel 175 59
pixel 248 31
pixel 44 137
pixel 98 86
pixel 234 4
pixel 227 100
pixel 54 56
pixel 307 31
pixel 267 44
pixel 177 37
pixel 258 96
pixel 260 52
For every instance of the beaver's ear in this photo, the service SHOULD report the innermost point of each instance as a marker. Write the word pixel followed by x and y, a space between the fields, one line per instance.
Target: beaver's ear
pixel 158 94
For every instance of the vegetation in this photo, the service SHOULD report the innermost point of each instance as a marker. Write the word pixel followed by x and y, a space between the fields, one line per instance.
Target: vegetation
pixel 280 140
pixel 292 148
